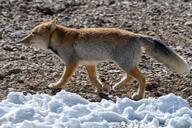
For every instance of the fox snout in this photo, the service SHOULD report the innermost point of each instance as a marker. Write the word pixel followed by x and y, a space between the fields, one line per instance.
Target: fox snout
pixel 26 40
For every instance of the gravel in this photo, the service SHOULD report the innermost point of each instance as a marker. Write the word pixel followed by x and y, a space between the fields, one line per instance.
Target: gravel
pixel 30 70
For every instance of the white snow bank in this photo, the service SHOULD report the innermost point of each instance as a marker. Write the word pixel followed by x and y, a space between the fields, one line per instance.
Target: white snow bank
pixel 70 110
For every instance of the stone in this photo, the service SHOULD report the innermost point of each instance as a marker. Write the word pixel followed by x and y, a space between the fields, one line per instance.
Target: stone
pixel 188 23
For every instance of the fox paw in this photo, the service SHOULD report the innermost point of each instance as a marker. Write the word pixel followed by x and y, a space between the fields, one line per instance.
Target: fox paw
pixel 98 90
pixel 101 90
pixel 115 88
pixel 54 86
pixel 136 96
pixel 107 88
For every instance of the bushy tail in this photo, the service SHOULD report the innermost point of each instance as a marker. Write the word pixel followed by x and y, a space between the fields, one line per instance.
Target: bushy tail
pixel 164 54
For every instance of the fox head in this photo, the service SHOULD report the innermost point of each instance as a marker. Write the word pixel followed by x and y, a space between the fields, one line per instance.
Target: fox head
pixel 40 35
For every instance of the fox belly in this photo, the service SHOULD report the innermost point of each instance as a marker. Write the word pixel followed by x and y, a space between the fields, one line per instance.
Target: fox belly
pixel 93 51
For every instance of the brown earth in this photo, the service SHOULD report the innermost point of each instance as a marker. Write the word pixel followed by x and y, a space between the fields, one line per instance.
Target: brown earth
pixel 30 70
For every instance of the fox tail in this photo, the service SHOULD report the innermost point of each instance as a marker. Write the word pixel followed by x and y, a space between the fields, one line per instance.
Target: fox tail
pixel 164 54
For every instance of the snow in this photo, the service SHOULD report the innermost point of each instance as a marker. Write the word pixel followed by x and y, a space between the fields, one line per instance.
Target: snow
pixel 70 110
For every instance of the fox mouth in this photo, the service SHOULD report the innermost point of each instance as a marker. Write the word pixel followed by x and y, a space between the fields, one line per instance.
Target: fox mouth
pixel 26 43
pixel 26 40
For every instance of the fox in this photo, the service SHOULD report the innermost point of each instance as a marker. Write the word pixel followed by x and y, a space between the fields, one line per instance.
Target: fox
pixel 90 46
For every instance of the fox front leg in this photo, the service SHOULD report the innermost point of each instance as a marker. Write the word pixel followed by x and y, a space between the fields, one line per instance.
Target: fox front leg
pixel 67 73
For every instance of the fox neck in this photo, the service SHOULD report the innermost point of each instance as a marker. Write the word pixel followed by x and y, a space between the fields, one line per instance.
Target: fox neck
pixel 49 46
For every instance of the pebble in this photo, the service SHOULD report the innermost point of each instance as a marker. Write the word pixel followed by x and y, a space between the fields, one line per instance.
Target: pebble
pixel 158 93
pixel 21 81
pixel 8 48
pixel 2 76
pixel 190 100
pixel 110 13
pixel 188 23
pixel 22 57
pixel 1 35
pixel 14 71
pixel 23 8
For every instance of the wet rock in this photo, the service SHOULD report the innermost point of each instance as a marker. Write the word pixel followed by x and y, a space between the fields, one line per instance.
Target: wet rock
pixel 2 76
pixel 22 57
pixel 21 81
pixel 46 9
pixel 151 86
pixel 158 93
pixel 187 0
pixel 23 7
pixel 8 48
pixel 1 35
pixel 189 99
pixel 14 71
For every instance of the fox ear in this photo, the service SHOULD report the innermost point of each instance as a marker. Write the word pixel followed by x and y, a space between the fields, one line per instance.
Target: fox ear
pixel 53 24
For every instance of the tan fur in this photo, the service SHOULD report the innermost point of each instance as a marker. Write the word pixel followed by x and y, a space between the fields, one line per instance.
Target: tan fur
pixel 67 73
pixel 93 45
pixel 91 69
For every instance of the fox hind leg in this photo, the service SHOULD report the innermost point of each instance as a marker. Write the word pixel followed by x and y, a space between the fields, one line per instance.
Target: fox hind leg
pixel 134 72
pixel 127 57
pixel 126 79
pixel 141 79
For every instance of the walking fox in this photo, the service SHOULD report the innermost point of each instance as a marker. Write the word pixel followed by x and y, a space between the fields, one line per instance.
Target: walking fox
pixel 89 46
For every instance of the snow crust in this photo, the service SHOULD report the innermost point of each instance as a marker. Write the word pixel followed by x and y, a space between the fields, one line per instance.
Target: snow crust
pixel 70 110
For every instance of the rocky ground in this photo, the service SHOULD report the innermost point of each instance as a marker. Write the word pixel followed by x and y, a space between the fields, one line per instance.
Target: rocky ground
pixel 30 70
